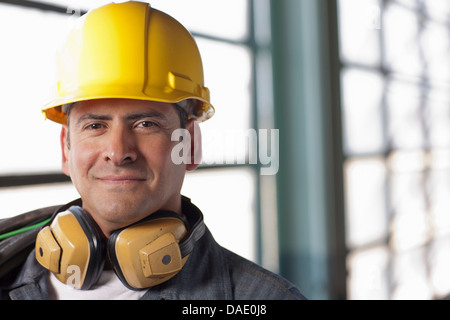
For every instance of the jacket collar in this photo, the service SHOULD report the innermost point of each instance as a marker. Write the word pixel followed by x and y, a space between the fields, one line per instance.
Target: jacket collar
pixel 205 275
pixel 32 282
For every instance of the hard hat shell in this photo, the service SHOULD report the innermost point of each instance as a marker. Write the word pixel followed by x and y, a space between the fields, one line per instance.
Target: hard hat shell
pixel 129 50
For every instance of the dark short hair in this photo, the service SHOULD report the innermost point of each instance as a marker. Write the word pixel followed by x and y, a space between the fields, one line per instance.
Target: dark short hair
pixel 183 115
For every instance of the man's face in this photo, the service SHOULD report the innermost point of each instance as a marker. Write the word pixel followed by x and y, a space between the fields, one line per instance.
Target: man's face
pixel 119 159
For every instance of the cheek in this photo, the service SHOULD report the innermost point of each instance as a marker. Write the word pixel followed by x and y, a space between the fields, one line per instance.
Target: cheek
pixel 81 159
pixel 159 157
pixel 158 153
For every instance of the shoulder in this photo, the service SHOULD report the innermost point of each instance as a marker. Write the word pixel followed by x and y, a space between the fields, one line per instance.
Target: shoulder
pixel 214 272
pixel 18 237
pixel 253 282
pixel 17 265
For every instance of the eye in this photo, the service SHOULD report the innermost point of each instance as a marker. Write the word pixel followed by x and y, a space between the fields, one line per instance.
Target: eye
pixel 146 124
pixel 94 126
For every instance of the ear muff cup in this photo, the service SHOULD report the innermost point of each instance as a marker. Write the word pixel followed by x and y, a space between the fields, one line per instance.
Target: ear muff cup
pixel 147 253
pixel 72 248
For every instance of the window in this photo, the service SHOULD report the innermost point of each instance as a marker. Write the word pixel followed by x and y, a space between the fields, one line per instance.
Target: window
pixel 396 115
pixel 226 191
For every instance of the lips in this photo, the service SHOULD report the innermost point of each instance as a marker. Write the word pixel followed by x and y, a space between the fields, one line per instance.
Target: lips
pixel 121 179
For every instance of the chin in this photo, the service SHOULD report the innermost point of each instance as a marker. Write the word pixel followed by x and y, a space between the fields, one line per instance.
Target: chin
pixel 121 213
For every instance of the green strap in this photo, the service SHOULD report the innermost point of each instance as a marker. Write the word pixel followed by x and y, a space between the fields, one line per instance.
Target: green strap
pixel 22 230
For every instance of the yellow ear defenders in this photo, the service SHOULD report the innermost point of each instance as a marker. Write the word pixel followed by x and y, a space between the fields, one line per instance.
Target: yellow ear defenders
pixel 147 253
pixel 72 248
pixel 142 255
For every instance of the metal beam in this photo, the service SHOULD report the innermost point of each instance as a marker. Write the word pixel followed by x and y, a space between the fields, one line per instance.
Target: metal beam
pixel 32 179
pixel 39 5
pixel 309 182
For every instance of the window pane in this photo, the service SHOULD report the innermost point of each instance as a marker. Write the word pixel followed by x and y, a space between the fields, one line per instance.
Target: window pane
pixel 435 40
pixel 405 109
pixel 368 274
pixel 410 276
pixel 438 9
pixel 362 94
pixel 228 76
pixel 360 24
pixel 401 32
pixel 410 225
pixel 19 200
pixel 220 18
pixel 440 264
pixel 366 216
pixel 28 143
pixel 438 102
pixel 410 4
pixel 226 198
pixel 440 200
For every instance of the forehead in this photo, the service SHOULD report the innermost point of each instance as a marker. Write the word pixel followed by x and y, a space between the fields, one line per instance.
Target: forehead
pixel 122 107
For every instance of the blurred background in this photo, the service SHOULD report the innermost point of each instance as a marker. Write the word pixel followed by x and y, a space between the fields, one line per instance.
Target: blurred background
pixel 360 93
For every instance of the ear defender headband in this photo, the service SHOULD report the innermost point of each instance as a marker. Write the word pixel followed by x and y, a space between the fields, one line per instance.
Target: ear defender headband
pixel 142 255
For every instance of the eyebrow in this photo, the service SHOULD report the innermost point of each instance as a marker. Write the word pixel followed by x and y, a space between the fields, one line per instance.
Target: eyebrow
pixel 91 116
pixel 147 114
pixel 128 117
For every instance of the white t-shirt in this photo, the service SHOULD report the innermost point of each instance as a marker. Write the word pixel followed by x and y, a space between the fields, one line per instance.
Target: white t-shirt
pixel 108 287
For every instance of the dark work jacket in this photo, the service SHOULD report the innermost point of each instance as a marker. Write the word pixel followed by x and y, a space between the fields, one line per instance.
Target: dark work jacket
pixel 211 273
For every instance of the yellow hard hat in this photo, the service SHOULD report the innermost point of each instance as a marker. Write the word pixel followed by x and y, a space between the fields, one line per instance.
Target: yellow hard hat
pixel 130 50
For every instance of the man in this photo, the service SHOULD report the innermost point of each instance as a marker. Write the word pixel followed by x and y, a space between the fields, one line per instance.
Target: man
pixel 129 76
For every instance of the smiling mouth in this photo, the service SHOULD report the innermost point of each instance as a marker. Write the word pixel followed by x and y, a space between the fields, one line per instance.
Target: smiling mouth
pixel 121 179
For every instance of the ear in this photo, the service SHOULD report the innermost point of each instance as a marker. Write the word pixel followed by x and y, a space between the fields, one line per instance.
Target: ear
pixel 196 145
pixel 65 149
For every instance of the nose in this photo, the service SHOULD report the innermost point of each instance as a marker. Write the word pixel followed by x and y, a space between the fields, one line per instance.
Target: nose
pixel 120 147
